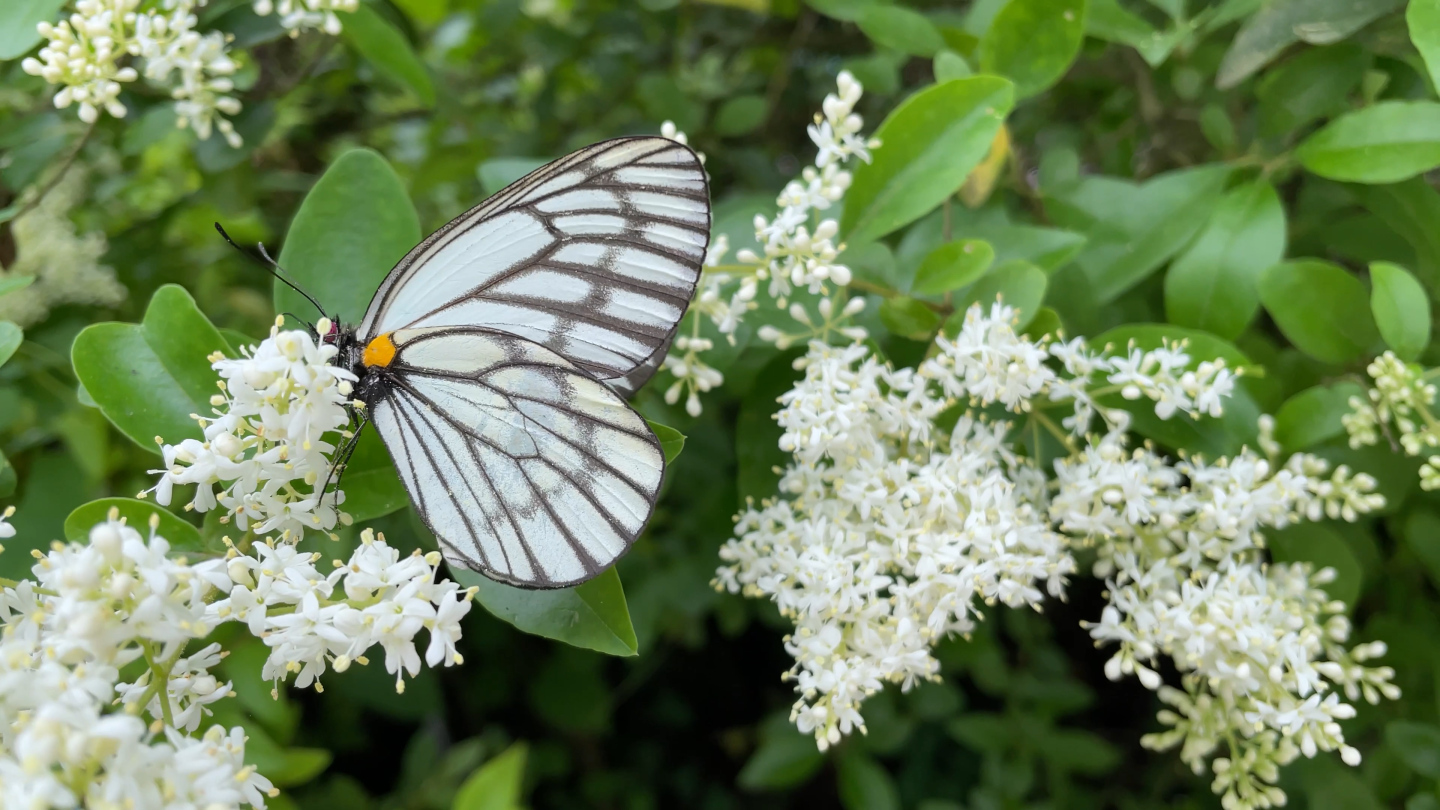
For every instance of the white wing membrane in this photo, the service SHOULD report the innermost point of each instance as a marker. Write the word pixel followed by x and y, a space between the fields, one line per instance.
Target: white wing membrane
pixel 525 467
pixel 594 256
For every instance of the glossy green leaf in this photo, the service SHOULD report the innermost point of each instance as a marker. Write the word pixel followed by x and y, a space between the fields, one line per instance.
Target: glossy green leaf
pixel 148 378
pixel 1320 308
pixel 1423 19
pixel 1213 284
pixel 11 336
pixel 1416 743
pixel 1410 208
pixel 901 29
pixel 498 784
pixel 1383 143
pixel 10 285
pixel 950 65
pixel 1313 415
pixel 1046 322
pixel 353 226
pixel 846 10
pixel 1033 42
pixel 908 317
pixel 863 783
pixel 1323 547
pixel 1314 84
pixel 1281 23
pixel 1401 309
pixel 371 485
pixel 672 441
pixel 952 266
pixel 1421 534
pixel 784 758
pixel 929 145
pixel 592 615
pixel 1132 228
pixel 18 19
pixel 384 46
pixel 758 456
pixel 183 536
pixel 1016 283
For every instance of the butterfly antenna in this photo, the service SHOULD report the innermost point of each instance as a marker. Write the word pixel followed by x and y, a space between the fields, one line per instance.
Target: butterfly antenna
pixel 274 268
pixel 343 460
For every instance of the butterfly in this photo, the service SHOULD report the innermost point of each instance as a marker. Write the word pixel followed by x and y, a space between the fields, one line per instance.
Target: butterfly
pixel 495 359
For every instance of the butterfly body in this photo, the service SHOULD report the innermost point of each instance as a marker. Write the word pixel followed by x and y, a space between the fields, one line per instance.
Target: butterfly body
pixel 495 359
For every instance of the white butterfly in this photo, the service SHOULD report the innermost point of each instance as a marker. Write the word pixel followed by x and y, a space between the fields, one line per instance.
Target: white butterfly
pixel 496 356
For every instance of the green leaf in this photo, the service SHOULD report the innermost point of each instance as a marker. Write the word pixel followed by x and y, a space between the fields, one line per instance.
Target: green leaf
pixel 785 758
pixel 8 479
pixel 1401 309
pixel 1213 284
pixel 672 441
pixel 182 535
pixel 1033 42
pixel 739 116
pixel 148 378
pixel 1108 20
pixel 385 47
pixel 1383 143
pixel 1416 743
pixel 1016 283
pixel 11 336
pixel 929 145
pixel 1320 308
pixel 901 29
pixel 1422 536
pixel 952 266
pixel 353 226
pixel 497 785
pixel 1314 84
pixel 908 318
pixel 592 615
pixel 1279 24
pixel 371 485
pixel 18 19
pixel 950 65
pixel 1133 229
pixel 845 10
pixel 1336 788
pixel 1323 547
pixel 1410 208
pixel 863 783
pixel 758 456
pixel 1313 415
pixel 10 285
pixel 1423 18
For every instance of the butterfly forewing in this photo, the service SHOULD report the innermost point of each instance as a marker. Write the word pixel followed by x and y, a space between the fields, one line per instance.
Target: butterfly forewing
pixel 525 467
pixel 595 257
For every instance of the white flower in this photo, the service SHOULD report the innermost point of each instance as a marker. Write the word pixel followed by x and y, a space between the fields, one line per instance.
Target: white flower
pixel 266 445
pixel 6 530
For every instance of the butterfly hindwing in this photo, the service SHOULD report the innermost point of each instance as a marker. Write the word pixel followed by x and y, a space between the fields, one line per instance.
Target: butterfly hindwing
pixel 594 256
pixel 525 467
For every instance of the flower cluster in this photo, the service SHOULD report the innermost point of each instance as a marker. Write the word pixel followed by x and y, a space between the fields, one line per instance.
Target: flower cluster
pixel 793 254
pixel 312 621
pixel 264 444
pixel 1260 647
pixel 89 55
pixel 65 264
pixel 1399 407
pixel 890 526
pixel 91 610
pixel 123 597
